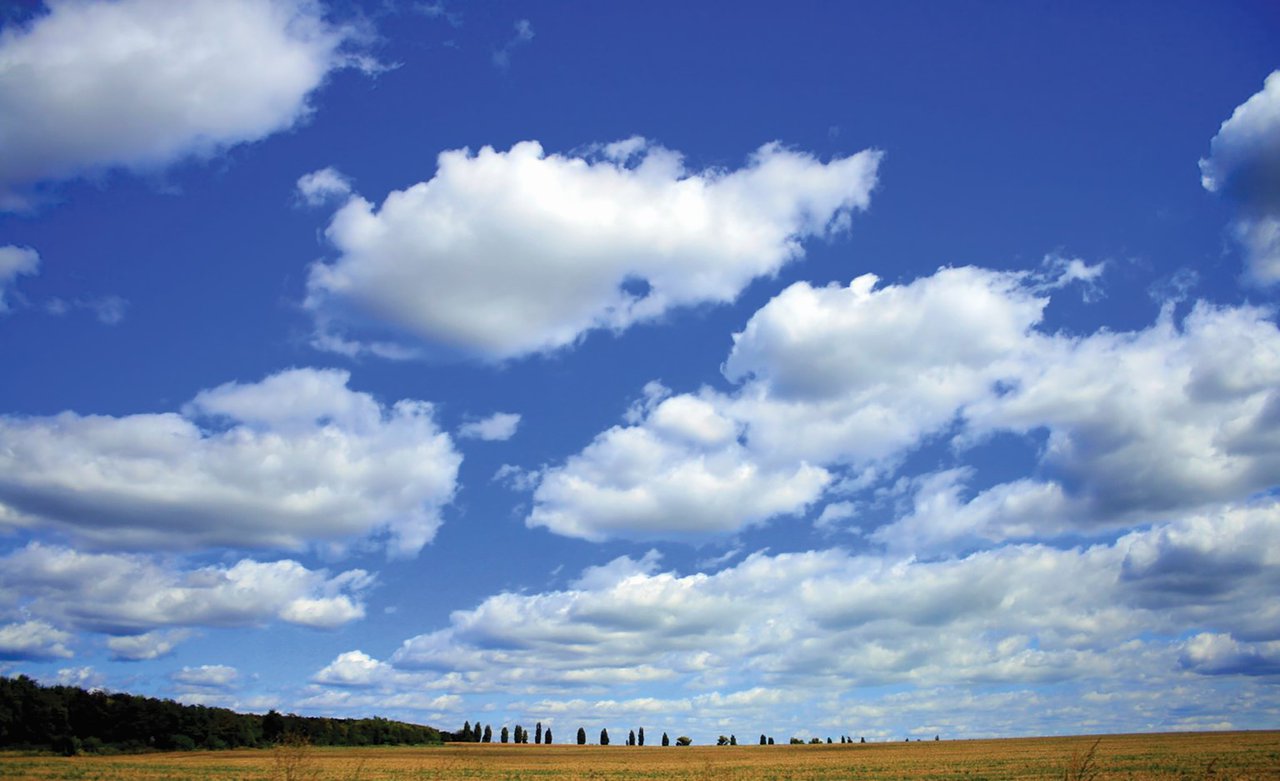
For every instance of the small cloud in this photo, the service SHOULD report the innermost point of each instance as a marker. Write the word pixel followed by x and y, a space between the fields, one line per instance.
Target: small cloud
pixel 84 677
pixel 518 478
pixel 208 676
pixel 109 310
pixel 323 186
pixel 1060 272
pixel 438 10
pixel 146 646
pixel 523 34
pixel 15 261
pixel 498 427
pixel 833 514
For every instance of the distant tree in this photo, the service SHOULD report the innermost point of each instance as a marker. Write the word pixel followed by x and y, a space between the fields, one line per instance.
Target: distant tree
pixel 862 740
pixel 465 737
pixel 537 733
pixel 476 733
pixel 814 741
pixel 546 737
pixel 733 740
pixel 684 740
pixel 722 741
pixel 272 726
pixel 937 737
pixel 631 738
pixel 828 740
pixel 762 739
pixel 666 741
pixel 604 737
pixel 797 742
pixel 640 736
pixel 770 741
pixel 518 734
pixel 504 734
pixel 582 736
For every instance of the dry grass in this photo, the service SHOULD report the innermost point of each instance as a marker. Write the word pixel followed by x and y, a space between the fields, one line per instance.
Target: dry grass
pixel 1240 756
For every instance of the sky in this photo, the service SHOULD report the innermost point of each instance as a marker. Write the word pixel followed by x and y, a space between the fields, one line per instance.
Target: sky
pixel 873 369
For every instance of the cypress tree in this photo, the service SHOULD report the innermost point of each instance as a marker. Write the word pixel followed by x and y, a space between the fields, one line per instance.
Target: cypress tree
pixel 666 741
pixel 537 733
pixel 762 739
pixel 640 736
pixel 504 734
pixel 631 738
pixel 733 740
pixel 488 734
pixel 546 737
pixel 582 736
pixel 604 737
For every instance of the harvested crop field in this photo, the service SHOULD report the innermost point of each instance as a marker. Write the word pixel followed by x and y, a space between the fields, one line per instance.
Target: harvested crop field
pixel 1216 756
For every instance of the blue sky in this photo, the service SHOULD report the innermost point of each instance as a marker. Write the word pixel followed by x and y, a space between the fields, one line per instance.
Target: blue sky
pixel 873 369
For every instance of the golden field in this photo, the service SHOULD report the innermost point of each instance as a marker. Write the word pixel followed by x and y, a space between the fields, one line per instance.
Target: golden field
pixel 1207 756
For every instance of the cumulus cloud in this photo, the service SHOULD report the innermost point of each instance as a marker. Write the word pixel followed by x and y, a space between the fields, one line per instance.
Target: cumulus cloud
pixel 15 261
pixel 131 596
pixel 295 459
pixel 503 254
pixel 34 641
pixel 323 186
pixel 1244 166
pixel 836 385
pixel 143 83
pixel 209 676
pixel 498 427
pixel 1022 614
pixel 1222 654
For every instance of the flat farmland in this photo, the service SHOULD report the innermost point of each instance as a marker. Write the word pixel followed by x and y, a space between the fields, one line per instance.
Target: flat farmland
pixel 1208 756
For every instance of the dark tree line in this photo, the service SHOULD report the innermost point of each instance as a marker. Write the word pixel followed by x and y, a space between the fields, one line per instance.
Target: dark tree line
pixel 68 719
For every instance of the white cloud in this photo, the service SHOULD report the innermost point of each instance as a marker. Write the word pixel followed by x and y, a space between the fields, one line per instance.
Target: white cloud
pixel 83 677
pixel 146 646
pixel 829 377
pixel 1244 166
pixel 323 186
pixel 1171 417
pixel 143 83
pixel 504 254
pixel 682 473
pixel 523 34
pixel 131 595
pixel 1222 654
pixel 837 385
pixel 109 310
pixel 498 427
pixel 210 676
pixel 297 458
pixel 35 640
pixel 825 625
pixel 15 261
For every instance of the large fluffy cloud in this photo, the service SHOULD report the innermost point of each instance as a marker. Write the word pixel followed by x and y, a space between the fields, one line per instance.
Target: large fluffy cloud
pixel 131 595
pixel 836 385
pixel 297 458
pixel 141 83
pixel 502 254
pixel 822 624
pixel 1244 166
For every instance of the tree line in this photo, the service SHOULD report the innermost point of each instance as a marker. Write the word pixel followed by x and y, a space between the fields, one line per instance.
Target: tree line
pixel 69 719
